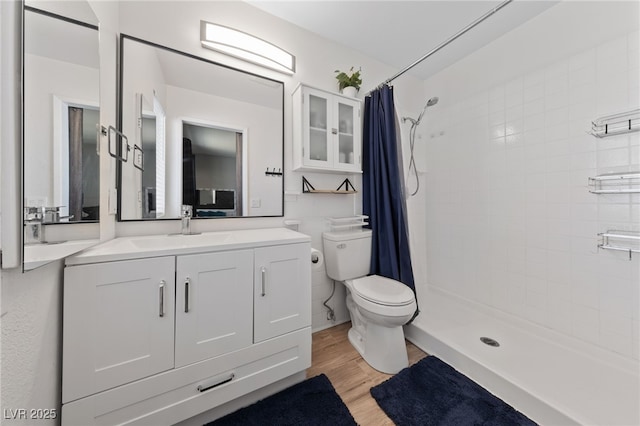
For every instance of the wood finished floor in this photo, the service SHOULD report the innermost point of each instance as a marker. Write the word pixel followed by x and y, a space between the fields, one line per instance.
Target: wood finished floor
pixel 351 376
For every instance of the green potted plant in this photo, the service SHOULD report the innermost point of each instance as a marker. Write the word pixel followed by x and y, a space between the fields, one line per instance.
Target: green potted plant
pixel 349 82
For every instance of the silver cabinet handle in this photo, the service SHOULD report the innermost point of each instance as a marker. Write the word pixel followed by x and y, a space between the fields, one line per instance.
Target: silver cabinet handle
pixel 203 387
pixel 264 280
pixel 334 131
pixel 186 294
pixel 161 302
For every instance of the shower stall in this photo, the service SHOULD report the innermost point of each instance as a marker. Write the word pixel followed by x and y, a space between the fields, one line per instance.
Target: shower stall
pixel 515 248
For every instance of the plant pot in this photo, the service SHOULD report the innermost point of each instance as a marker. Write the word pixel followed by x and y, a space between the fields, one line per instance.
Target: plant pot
pixel 350 91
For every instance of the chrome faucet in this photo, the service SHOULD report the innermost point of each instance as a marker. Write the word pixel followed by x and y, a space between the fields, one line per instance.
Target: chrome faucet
pixel 186 213
pixel 33 229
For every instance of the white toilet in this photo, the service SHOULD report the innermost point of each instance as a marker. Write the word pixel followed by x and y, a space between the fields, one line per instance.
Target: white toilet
pixel 379 306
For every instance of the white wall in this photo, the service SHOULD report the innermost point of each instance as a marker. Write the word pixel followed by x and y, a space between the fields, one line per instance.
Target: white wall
pixel 509 219
pixel 32 340
pixel 1 174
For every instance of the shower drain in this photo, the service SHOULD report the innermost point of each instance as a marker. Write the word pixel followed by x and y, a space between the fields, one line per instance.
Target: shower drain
pixel 489 341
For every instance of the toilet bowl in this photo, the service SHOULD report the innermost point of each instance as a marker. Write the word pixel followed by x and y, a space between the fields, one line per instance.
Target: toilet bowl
pixel 378 306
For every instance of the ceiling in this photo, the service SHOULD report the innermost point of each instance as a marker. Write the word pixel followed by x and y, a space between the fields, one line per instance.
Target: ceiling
pixel 398 33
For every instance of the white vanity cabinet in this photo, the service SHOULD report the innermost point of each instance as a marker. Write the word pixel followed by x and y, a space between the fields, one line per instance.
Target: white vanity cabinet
pixel 158 336
pixel 327 131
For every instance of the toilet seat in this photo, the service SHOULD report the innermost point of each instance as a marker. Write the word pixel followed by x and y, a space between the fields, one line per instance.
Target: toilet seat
pixel 382 291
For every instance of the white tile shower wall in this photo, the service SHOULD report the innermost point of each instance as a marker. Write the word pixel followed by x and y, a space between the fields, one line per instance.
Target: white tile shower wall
pixel 510 222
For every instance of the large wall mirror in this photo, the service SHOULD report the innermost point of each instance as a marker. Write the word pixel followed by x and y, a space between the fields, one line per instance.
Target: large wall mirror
pixel 198 134
pixel 61 111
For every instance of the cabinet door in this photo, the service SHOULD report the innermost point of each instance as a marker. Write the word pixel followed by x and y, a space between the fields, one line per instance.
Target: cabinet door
pixel 214 304
pixel 118 324
pixel 318 129
pixel 347 151
pixel 282 290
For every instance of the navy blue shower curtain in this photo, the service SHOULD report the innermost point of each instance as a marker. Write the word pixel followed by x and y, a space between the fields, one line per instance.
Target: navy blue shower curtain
pixel 383 195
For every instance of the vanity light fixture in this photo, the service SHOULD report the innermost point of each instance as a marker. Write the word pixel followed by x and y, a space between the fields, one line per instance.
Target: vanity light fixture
pixel 246 47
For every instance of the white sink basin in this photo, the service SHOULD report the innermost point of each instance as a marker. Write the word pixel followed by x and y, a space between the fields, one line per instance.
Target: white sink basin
pixel 177 241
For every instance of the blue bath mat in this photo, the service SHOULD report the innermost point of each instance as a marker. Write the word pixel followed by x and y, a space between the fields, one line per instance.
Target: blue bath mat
pixel 313 402
pixel 431 392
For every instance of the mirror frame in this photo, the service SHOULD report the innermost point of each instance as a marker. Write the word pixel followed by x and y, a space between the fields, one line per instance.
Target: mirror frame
pixel 119 123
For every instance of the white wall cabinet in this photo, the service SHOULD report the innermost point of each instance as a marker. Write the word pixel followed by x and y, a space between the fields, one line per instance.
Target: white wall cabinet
pixel 236 320
pixel 327 131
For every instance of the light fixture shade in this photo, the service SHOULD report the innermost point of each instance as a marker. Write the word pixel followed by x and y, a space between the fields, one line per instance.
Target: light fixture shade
pixel 246 47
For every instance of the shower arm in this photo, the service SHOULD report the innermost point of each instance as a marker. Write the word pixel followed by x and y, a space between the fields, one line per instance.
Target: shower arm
pixel 445 43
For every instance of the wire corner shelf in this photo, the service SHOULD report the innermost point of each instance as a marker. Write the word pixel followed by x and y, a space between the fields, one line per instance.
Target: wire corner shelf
pixel 615 183
pixel 618 240
pixel 616 124
pixel 347 222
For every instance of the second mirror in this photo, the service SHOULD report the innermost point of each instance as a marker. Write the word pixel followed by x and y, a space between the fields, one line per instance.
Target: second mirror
pixel 199 134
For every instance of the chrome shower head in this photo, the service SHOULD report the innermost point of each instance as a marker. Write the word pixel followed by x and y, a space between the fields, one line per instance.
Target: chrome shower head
pixel 429 103
pixel 415 122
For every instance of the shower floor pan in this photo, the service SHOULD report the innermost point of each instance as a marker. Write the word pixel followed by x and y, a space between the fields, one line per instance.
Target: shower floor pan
pixel 553 379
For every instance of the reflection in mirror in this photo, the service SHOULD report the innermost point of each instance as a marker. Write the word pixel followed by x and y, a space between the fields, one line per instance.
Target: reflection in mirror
pixel 61 113
pixel 147 137
pixel 205 135
pixel 61 72
pixel 212 172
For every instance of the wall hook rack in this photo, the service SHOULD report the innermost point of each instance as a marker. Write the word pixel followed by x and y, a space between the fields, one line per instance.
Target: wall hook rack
pixel 273 172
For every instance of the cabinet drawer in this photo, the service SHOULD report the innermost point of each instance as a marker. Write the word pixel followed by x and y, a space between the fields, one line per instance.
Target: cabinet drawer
pixel 173 396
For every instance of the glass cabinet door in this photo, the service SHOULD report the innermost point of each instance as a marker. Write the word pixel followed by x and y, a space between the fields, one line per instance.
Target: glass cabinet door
pixel 318 137
pixel 345 134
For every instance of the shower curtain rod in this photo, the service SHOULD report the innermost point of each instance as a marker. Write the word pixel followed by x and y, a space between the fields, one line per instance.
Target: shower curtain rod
pixel 449 40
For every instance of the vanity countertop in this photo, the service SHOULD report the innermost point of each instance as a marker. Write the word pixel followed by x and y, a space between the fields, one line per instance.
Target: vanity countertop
pixel 36 255
pixel 125 248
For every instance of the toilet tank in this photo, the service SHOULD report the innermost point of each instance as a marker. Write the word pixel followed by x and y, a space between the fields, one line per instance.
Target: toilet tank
pixel 347 254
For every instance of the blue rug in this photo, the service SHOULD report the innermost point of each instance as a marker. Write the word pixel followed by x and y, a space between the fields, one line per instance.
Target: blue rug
pixel 312 402
pixel 431 392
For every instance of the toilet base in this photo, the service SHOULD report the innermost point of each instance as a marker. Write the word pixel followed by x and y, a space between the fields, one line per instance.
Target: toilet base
pixel 383 348
pixel 389 354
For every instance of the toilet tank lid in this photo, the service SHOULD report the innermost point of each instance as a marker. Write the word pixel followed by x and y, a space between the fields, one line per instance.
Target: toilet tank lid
pixel 352 234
